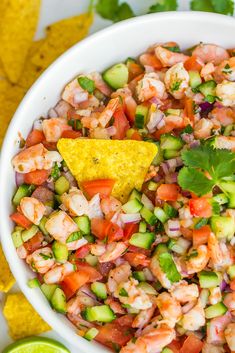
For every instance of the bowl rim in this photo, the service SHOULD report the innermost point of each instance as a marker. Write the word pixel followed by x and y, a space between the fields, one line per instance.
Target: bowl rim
pixel 55 322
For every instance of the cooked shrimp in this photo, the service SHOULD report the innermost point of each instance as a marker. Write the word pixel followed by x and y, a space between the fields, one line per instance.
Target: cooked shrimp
pixel 152 342
pixel 156 120
pixel 216 327
pixel 226 93
pixel 113 251
pixel 169 58
pixel 94 209
pixel 76 244
pixel 76 305
pixel 184 292
pixel 226 70
pixel 35 157
pixel 207 71
pixel 227 142
pixel 210 348
pixel 133 295
pixel 220 253
pixel 90 122
pixel 54 127
pixel 75 202
pixel 230 335
pixel 57 273
pixel 202 128
pixel 117 275
pixel 115 306
pixel 74 93
pixel 97 249
pixel 100 84
pixel 198 263
pixel 110 205
pixel 33 209
pixel 41 260
pixel 177 80
pixel 169 308
pixel 144 316
pixel 210 53
pixel 159 274
pixel 108 111
pixel 60 226
pixel 150 86
pixel 215 295
pixel 194 319
pixel 229 301
pixel 225 115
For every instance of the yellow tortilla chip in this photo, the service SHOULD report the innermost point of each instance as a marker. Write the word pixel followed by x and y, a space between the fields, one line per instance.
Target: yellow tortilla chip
pixel 6 278
pixel 18 26
pixel 22 319
pixel 126 161
pixel 60 37
pixel 3 6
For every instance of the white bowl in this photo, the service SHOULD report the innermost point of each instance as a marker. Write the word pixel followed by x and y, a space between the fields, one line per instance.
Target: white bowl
pixel 97 52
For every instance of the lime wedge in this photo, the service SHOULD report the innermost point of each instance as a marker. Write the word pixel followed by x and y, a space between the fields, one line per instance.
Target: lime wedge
pixel 36 345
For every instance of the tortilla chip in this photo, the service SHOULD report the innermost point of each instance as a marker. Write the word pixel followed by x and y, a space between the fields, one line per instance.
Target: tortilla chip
pixel 3 6
pixel 6 278
pixel 22 319
pixel 17 31
pixel 60 37
pixel 126 161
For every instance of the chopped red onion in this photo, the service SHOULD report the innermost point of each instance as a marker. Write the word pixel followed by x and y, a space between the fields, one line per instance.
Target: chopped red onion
pixel 157 178
pixel 206 107
pixel 164 168
pixel 195 144
pixel 19 179
pixel 147 202
pixel 130 217
pixel 70 178
pixel 111 130
pixel 223 285
pixel 172 228
pixel 179 161
pixel 156 101
pixel 80 97
pixel 51 185
pixel 218 104
pixel 155 119
pixel 188 138
pixel 171 178
pixel 77 321
pixel 172 164
pixel 62 108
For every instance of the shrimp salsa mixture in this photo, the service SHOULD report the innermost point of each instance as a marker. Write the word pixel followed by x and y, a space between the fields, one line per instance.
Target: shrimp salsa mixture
pixel 149 267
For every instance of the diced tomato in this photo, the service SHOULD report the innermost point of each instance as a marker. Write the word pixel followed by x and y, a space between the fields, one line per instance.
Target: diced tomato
pixel 34 243
pixel 136 249
pixel 164 130
pixel 137 259
pixel 82 252
pixel 134 69
pixel 200 207
pixel 151 60
pixel 186 232
pixel 136 136
pixel 73 282
pixel 129 229
pixel 121 124
pixel 71 134
pixel 232 284
pixel 93 274
pixel 168 192
pixel 200 236
pixel 125 320
pixel 115 233
pixel 37 177
pixel 192 64
pixel 34 137
pixel 102 186
pixel 130 108
pixel 189 109
pixel 21 220
pixel 51 146
pixel 192 344
pixel 71 114
pixel 100 227
pixel 174 346
pixel 112 334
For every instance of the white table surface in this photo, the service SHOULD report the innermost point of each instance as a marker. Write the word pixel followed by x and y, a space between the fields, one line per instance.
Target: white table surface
pixel 53 10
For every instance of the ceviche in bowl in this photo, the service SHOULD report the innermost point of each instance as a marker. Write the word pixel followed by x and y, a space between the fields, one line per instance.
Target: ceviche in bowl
pixel 122 214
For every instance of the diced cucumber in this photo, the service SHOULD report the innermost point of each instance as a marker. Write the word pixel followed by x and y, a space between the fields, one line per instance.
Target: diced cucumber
pixel 90 238
pixel 180 246
pixel 58 199
pixel 147 288
pixel 60 251
pixel 223 227
pixel 91 259
pixel 58 301
pixel 42 225
pixel 228 187
pixel 228 129
pixel 83 223
pixel 160 214
pixel 17 238
pixel 91 334
pixel 170 142
pixel 148 216
pixel 231 271
pixel 152 186
pixel 204 297
pixel 170 111
pixel 116 76
pixel 132 206
pixel 169 154
pixel 23 190
pixel 99 289
pixel 142 240
pixel 170 211
pixel 194 79
pixel 215 310
pixel 160 249
pixel 208 279
pixel 158 159
pixel 29 233
pixel 135 194
pixel 147 202
pixel 231 201
pixel 141 116
pixel 101 313
pixel 74 236
pixel 220 198
pixel 61 185
pixel 142 227
pixel 139 275
pixel 167 350
pixel 130 61
pixel 48 290
pixel 33 283
pixel 207 88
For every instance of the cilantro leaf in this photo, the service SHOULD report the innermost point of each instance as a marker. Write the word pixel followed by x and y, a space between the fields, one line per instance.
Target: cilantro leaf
pixel 222 163
pixel 196 158
pixel 164 5
pixel 168 267
pixel 192 180
pixel 225 7
pixel 112 10
pixel 86 83
pixel 201 5
pixel 124 12
pixel 55 172
pixel 202 222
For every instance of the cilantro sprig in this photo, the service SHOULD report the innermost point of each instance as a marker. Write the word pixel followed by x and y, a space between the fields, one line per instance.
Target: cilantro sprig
pixel 224 7
pixel 216 163
pixel 164 5
pixel 112 10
